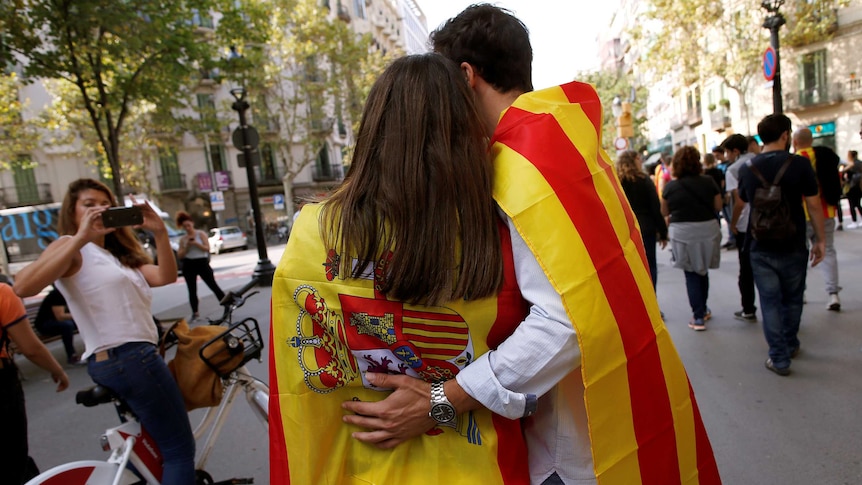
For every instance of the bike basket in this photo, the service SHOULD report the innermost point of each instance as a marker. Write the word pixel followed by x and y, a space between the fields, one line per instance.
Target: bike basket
pixel 230 350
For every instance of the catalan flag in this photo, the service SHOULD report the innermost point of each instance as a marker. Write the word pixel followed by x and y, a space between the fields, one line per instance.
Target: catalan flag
pixel 555 182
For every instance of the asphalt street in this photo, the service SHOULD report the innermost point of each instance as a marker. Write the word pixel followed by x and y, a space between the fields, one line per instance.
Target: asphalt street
pixel 802 429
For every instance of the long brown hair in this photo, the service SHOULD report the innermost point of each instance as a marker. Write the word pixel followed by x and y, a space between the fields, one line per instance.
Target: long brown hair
pixel 420 187
pixel 122 243
pixel 627 167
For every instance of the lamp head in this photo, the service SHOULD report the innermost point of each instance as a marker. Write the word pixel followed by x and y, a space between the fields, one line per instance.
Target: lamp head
pixel 617 107
pixel 238 93
pixel 772 6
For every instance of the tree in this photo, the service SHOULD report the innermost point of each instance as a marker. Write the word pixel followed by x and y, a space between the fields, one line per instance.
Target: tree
pixel 694 40
pixel 18 136
pixel 611 84
pixel 119 55
pixel 311 75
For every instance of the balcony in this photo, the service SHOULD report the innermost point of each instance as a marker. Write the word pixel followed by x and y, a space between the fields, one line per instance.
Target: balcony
pixel 343 13
pixel 270 174
pixel 327 173
pixel 21 195
pixel 678 122
pixel 853 88
pixel 719 120
pixel 694 118
pixel 173 182
pixel 814 96
pixel 322 126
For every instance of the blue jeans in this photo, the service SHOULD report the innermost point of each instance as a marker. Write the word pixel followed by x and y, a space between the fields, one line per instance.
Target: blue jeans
pixel 137 373
pixel 780 280
pixel 697 287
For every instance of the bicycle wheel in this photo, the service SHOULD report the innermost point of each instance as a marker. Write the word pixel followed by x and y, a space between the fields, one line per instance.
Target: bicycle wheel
pixel 83 473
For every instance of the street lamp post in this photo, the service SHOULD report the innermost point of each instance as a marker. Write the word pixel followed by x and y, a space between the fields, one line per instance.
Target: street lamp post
pixel 264 270
pixel 774 20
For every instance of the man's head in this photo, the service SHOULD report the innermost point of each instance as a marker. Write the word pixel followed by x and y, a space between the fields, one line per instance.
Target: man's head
pixel 753 145
pixel 718 153
pixel 493 41
pixel 734 146
pixel 772 128
pixel 852 155
pixel 802 138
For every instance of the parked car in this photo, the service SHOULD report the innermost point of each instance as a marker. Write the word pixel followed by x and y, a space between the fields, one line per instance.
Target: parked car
pixel 227 237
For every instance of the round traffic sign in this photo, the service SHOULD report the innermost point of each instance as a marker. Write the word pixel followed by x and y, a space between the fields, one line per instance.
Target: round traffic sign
pixel 770 63
pixel 621 143
pixel 252 137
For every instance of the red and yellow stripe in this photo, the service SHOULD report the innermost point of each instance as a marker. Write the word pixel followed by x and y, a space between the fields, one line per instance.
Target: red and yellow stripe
pixel 556 183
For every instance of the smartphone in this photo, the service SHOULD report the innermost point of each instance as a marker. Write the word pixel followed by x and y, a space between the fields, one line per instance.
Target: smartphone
pixel 122 216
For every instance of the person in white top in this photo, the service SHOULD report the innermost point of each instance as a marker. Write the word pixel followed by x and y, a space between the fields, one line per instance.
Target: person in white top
pixel 107 277
pixel 194 252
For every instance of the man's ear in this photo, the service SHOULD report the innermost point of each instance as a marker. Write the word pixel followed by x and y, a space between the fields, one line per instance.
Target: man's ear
pixel 470 73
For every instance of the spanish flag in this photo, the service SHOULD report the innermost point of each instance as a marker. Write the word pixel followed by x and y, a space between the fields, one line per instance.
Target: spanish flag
pixel 555 182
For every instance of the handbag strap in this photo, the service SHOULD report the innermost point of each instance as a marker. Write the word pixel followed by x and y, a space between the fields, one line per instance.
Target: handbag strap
pixel 163 341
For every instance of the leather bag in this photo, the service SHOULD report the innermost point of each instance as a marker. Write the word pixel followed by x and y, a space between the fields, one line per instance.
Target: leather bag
pixel 199 384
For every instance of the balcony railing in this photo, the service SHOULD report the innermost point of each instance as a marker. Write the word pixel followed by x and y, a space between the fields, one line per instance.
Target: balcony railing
pixel 814 96
pixel 174 181
pixel 21 195
pixel 719 120
pixel 694 117
pixel 270 174
pixel 853 88
pixel 327 173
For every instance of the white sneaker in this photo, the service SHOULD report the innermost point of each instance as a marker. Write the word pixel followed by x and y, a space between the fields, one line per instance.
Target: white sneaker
pixel 850 225
pixel 834 303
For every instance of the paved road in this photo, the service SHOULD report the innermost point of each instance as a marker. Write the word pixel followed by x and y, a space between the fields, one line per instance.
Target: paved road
pixel 799 430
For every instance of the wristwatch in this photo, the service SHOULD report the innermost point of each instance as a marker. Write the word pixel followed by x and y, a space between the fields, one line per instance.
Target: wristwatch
pixel 442 410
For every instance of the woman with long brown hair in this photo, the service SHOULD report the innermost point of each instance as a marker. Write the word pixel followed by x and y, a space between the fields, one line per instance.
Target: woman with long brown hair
pixel 107 277
pixel 400 271
pixel 643 198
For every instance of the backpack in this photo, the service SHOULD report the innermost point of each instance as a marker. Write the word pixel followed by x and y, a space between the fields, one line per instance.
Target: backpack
pixel 770 220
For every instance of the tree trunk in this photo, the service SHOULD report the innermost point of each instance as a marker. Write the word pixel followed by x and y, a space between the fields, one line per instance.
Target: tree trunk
pixel 113 153
pixel 287 183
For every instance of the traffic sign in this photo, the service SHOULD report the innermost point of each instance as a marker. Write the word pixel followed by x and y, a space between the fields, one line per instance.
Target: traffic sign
pixel 278 202
pixel 621 143
pixel 252 136
pixel 770 63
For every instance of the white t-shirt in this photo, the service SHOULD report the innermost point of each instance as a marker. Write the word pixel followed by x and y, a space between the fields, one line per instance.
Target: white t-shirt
pixel 731 183
pixel 111 303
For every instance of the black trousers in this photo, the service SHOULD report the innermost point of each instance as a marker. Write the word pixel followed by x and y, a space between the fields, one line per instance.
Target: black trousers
pixel 746 275
pixel 16 467
pixel 192 268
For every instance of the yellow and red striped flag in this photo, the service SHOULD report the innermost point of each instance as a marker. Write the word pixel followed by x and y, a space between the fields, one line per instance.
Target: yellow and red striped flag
pixel 557 184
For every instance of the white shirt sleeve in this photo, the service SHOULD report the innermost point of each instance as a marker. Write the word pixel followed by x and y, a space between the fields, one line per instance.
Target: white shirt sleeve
pixel 730 180
pixel 540 352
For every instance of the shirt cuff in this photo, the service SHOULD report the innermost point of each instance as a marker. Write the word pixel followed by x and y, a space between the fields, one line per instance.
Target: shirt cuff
pixel 499 400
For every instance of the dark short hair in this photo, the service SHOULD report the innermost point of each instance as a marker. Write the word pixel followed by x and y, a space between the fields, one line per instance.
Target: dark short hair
pixel 493 41
pixel 717 149
pixel 854 153
pixel 771 127
pixel 735 142
pixel 686 162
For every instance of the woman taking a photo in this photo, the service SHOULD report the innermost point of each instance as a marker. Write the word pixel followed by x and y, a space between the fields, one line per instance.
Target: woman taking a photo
pixel 194 252
pixel 692 201
pixel 107 277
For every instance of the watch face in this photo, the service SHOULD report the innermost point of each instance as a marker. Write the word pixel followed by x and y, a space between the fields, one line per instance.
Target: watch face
pixel 443 412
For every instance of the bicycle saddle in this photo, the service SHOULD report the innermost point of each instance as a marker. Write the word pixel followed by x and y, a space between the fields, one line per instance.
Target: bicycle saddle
pixel 94 396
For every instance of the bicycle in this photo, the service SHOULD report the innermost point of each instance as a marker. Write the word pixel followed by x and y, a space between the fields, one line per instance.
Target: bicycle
pixel 134 457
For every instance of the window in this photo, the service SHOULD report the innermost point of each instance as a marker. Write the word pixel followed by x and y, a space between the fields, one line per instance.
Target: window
pixel 25 181
pixel 267 163
pixel 218 159
pixel 812 78
pixel 171 176
pixel 359 8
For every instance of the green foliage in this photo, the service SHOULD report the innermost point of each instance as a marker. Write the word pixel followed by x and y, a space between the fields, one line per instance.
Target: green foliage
pixel 121 56
pixel 610 84
pixel 17 135
pixel 810 21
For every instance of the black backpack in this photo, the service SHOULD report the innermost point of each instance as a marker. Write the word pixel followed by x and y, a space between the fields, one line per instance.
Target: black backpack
pixel 770 220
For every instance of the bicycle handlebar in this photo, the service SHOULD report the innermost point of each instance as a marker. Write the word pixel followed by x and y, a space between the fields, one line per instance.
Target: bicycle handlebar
pixel 234 299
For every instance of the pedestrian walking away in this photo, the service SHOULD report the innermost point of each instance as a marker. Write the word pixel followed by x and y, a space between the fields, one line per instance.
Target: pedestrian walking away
pixel 825 163
pixel 780 266
pixel 692 201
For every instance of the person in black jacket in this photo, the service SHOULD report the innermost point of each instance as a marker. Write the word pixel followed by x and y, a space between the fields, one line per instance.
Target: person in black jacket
pixel 825 163
pixel 643 198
